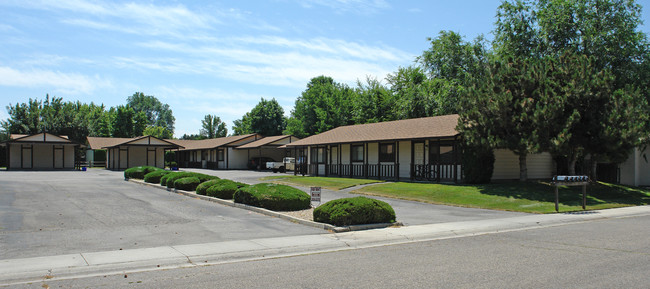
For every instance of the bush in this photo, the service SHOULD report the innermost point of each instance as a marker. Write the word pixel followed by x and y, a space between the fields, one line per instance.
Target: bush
pixel 224 189
pixel 273 197
pixel 139 172
pixel 154 177
pixel 170 178
pixel 478 164
pixel 200 190
pixel 187 183
pixel 354 211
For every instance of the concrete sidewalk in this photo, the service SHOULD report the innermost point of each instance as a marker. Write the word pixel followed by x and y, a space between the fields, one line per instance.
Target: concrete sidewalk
pixel 16 271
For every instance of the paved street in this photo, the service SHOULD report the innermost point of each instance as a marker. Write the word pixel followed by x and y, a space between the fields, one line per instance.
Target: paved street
pixel 606 253
pixel 53 213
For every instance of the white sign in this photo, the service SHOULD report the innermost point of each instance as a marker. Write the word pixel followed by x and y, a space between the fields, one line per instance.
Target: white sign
pixel 315 194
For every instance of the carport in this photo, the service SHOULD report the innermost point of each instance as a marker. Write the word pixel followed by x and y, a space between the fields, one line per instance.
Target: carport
pixel 123 153
pixel 43 151
pixel 269 147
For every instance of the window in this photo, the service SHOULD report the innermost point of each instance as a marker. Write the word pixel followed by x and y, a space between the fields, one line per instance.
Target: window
pixel 357 153
pixel 387 152
pixel 318 155
pixel 220 155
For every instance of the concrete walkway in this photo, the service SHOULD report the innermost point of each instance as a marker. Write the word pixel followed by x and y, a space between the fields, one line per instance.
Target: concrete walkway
pixel 17 271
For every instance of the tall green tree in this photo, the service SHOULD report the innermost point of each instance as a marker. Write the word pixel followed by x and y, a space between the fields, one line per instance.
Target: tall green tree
pixel 213 127
pixel 156 112
pixel 266 118
pixel 128 123
pixel 411 88
pixel 157 131
pixel 374 102
pixel 324 105
pixel 598 55
pixel 503 110
pixel 242 126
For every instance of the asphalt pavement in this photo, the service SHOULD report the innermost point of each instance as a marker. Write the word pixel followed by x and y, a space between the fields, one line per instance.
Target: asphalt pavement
pixel 61 212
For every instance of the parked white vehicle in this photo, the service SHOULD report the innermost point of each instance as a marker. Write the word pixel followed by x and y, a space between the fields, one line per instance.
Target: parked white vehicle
pixel 287 164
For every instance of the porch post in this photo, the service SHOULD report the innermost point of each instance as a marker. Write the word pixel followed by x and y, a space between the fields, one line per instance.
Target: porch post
pixel 338 160
pixel 327 161
pixel 396 160
pixel 455 147
pixel 365 160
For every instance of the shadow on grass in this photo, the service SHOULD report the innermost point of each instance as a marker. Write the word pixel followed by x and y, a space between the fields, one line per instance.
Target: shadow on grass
pixel 597 193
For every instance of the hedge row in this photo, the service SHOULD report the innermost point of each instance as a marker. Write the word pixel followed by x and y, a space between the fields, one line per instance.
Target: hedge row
pixel 139 172
pixel 273 197
pixel 222 189
pixel 169 179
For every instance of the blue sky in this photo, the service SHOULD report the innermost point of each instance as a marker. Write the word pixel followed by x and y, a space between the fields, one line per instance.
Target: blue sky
pixel 215 57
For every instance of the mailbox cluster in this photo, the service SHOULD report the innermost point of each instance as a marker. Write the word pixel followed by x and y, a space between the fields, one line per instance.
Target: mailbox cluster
pixel 570 179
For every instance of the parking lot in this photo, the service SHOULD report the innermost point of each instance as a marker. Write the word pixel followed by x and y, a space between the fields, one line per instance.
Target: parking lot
pixel 53 213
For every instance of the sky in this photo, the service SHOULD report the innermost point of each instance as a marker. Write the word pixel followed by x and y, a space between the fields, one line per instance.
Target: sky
pixel 216 57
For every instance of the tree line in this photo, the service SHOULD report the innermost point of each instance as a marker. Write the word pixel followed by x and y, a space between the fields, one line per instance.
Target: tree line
pixel 141 115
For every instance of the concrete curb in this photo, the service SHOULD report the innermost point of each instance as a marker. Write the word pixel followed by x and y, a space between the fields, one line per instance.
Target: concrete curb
pixel 328 227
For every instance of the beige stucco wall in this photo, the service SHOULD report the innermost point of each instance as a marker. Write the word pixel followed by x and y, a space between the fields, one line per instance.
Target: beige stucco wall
pixel 506 165
pixel 635 171
pixel 43 157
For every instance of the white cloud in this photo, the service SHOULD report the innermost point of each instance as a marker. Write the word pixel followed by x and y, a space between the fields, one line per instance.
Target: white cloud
pixel 70 83
pixel 273 60
pixel 343 6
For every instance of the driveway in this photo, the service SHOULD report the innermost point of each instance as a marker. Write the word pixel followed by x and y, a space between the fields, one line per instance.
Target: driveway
pixel 53 213
pixel 407 212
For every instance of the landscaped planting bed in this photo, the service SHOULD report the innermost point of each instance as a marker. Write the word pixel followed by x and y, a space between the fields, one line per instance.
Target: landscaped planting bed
pixel 354 211
pixel 273 197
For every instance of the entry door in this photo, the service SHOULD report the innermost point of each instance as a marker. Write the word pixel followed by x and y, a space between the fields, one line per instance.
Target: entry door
pixel 151 157
pixel 418 153
pixel 26 152
pixel 58 157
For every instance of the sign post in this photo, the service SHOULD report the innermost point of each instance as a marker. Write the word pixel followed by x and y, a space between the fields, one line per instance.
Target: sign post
pixel 315 194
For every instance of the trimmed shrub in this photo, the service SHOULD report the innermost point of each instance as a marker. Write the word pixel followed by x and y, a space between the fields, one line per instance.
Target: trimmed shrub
pixel 354 211
pixel 205 185
pixel 139 172
pixel 224 189
pixel 273 197
pixel 187 183
pixel 170 178
pixel 154 177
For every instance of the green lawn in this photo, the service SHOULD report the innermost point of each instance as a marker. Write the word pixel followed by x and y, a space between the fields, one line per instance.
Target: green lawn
pixel 530 197
pixel 328 183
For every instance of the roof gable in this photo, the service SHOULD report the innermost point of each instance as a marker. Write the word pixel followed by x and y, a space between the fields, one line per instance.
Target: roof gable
pixel 40 137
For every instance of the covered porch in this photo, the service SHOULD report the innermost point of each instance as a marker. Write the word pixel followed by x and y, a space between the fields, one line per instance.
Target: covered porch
pixel 425 149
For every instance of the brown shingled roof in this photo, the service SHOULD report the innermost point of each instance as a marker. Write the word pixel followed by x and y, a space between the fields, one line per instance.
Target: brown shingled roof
pixel 209 143
pixel 269 140
pixel 416 128
pixel 96 143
